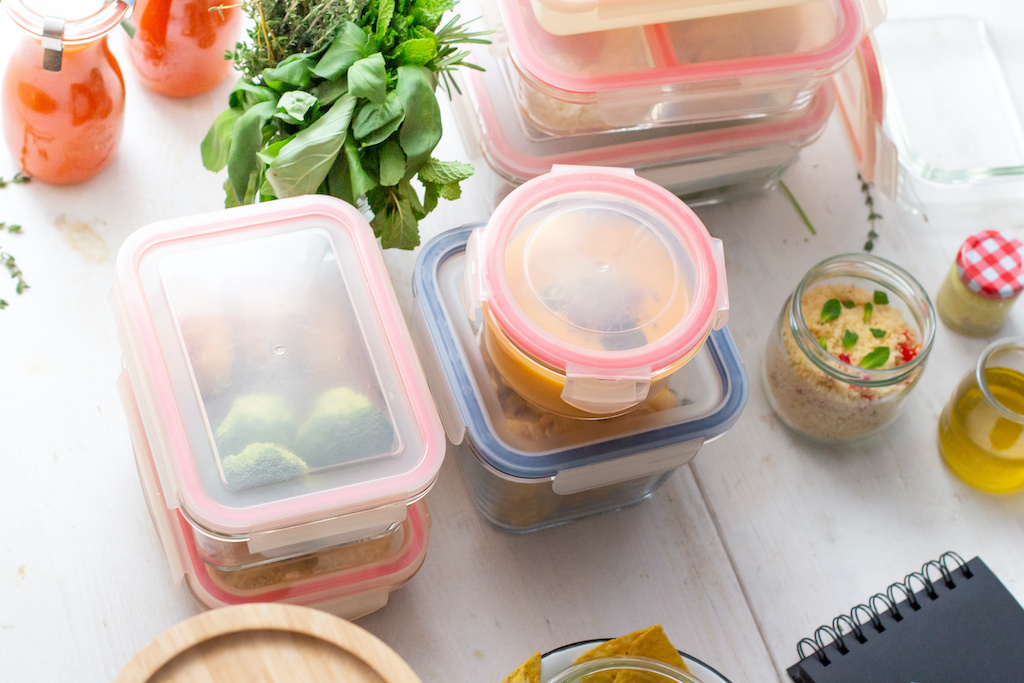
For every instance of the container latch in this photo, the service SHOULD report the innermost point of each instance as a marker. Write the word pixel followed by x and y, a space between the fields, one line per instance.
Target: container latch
pixel 53 43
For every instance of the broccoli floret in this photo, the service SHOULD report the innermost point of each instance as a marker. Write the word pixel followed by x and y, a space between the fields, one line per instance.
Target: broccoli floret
pixel 256 418
pixel 344 426
pixel 260 464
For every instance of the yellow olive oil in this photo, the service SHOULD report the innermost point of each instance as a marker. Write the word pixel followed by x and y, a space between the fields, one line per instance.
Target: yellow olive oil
pixel 980 444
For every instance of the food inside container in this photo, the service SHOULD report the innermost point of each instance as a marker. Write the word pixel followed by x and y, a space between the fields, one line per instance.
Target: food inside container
pixel 570 17
pixel 529 469
pixel 594 286
pixel 933 104
pixel 350 579
pixel 701 163
pixel 644 655
pixel 274 382
pixel 848 348
pixel 745 65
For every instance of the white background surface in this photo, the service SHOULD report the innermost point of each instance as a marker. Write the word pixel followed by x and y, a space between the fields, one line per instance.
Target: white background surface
pixel 739 555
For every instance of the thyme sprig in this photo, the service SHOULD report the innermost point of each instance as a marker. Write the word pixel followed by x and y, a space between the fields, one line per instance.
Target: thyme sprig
pixel 5 256
pixel 869 201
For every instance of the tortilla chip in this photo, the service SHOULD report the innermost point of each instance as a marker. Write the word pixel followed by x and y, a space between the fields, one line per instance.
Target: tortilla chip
pixel 528 671
pixel 650 642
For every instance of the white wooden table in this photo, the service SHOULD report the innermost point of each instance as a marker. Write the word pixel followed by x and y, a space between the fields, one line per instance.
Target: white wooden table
pixel 739 555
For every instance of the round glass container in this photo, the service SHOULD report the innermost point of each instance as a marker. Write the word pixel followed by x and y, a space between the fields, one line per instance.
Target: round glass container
pixel 642 668
pixel 178 48
pixel 983 283
pixel 595 285
pixel 981 427
pixel 63 93
pixel 848 347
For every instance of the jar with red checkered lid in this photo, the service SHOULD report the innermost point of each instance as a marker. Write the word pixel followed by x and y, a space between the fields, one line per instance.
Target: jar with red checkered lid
pixel 986 278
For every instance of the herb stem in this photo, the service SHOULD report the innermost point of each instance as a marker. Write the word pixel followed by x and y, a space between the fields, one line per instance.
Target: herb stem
pixel 799 209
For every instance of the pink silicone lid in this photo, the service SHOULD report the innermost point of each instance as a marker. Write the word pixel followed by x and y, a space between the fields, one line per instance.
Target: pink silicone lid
pixel 600 270
pixel 567 63
pixel 288 302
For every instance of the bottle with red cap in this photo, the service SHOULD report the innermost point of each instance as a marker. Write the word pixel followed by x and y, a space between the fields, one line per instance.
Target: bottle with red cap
pixel 985 280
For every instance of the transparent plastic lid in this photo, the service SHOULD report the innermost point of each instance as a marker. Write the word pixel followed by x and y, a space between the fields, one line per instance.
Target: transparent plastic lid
pixel 598 273
pixel 815 37
pixel 488 119
pixel 699 402
pixel 273 368
pixel 567 17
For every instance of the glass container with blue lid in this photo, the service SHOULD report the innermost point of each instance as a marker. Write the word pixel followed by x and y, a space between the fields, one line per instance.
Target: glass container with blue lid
pixel 528 469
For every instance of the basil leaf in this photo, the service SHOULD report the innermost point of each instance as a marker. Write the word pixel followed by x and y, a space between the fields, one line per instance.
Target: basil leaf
pixel 246 142
pixel 877 333
pixel 351 45
pixel 421 130
pixel 392 162
pixel 368 78
pixel 362 181
pixel 247 94
pixel 848 304
pixel 294 72
pixel 293 106
pixel 881 297
pixel 876 358
pixel 831 310
pixel 868 310
pixel 395 222
pixel 850 339
pixel 374 123
pixel 215 146
pixel 304 162
pixel 327 92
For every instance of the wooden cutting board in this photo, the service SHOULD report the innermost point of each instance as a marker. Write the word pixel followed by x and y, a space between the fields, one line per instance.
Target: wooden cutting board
pixel 266 643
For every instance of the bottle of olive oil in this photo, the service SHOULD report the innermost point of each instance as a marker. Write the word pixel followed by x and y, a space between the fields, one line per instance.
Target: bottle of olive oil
pixel 983 441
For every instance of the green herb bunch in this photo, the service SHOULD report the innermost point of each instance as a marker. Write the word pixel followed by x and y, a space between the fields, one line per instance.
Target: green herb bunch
pixel 338 97
pixel 6 257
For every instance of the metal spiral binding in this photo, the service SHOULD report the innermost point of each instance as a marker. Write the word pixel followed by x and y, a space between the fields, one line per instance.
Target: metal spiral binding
pixel 889 601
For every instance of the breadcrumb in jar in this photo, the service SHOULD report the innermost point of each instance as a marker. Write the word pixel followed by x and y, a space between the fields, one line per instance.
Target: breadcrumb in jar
pixel 860 329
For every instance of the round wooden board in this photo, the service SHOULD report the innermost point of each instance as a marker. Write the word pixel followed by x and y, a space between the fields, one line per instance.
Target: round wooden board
pixel 266 643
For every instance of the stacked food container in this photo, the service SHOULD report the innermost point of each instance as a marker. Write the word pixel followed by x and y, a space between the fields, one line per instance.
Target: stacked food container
pixel 575 345
pixel 282 426
pixel 709 99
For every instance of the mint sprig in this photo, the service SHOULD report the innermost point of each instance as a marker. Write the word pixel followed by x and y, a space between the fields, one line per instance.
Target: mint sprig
pixel 876 358
pixel 831 310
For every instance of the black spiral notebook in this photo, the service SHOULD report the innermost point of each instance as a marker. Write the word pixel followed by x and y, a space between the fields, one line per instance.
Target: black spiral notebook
pixel 951 622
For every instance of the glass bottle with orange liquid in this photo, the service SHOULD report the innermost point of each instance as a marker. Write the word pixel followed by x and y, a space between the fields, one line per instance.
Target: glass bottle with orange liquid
pixel 63 93
pixel 179 45
pixel 981 430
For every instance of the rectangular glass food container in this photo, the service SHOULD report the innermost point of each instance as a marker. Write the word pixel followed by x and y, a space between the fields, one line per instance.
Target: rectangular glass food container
pixel 702 163
pixel 744 65
pixel 528 470
pixel 569 17
pixel 274 382
pixel 351 579
pixel 934 105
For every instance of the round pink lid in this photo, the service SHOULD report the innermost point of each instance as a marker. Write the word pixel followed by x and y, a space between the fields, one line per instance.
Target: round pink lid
pixel 599 273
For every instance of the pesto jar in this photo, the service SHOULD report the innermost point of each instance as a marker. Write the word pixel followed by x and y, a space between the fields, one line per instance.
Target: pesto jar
pixel 982 285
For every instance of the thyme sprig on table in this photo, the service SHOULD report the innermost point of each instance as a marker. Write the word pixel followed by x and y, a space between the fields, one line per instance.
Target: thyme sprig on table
pixel 338 97
pixel 10 263
pixel 869 201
